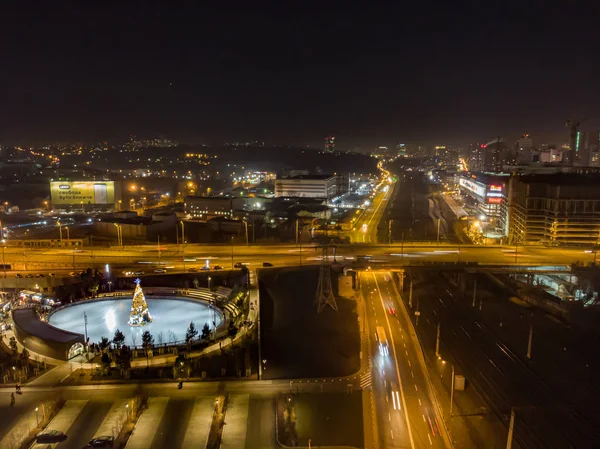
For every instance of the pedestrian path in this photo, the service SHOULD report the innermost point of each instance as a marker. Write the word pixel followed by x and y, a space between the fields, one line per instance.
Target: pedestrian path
pixel 236 420
pixel 143 433
pixel 66 416
pixel 113 421
pixel 24 426
pixel 198 427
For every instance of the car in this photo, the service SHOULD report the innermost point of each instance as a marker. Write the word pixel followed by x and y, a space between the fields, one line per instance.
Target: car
pixel 387 279
pixel 205 268
pixel 238 265
pixel 392 310
pixel 72 274
pixel 106 442
pixel 138 273
pixel 29 275
pixel 40 275
pixel 193 270
pixel 18 275
pixel 217 267
pixel 267 264
pixel 50 436
pixel 51 275
pixel 160 270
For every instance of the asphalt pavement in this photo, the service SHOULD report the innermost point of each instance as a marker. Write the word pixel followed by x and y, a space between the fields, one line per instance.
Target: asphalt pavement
pixel 406 414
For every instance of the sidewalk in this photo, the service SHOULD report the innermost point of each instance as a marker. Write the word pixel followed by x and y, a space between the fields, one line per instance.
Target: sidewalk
pixel 196 434
pixel 145 428
pixel 236 422
pixel 17 434
pixel 113 421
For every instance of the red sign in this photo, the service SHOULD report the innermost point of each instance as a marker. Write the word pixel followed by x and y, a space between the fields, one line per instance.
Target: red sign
pixel 493 200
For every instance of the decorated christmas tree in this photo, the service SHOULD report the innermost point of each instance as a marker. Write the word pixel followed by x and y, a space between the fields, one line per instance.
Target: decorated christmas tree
pixel 139 315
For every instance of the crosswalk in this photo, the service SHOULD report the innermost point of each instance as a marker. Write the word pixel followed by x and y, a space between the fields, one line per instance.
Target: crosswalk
pixel 365 380
pixel 193 431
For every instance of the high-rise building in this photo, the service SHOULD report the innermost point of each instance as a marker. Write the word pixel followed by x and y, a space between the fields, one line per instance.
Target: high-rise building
pixel 581 151
pixel 329 144
pixel 525 142
pixel 557 208
pixel 401 150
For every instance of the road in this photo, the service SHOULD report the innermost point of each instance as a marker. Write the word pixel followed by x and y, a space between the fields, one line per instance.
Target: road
pixel 502 378
pixel 405 413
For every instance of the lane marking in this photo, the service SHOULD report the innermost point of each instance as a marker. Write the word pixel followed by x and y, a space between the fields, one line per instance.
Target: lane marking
pixel 416 388
pixel 420 402
pixel 410 436
pixel 430 442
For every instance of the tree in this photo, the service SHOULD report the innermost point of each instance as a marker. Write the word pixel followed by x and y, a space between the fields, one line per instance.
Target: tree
pixel 24 357
pixel 190 335
pixel 104 343
pixel 147 341
pixel 172 337
pixel 124 359
pixel 196 283
pixel 160 338
pixel 118 339
pixel 13 345
pixel 94 289
pixel 205 331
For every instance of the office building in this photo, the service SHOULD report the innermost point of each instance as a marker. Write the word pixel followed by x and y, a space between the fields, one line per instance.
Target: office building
pixel 557 208
pixel 326 187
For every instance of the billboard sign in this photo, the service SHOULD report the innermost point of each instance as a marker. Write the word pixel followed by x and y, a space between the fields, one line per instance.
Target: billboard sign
pixel 472 186
pixel 82 192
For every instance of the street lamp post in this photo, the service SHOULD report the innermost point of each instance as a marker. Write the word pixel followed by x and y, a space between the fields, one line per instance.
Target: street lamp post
pixel 37 420
pixel 183 243
pixel 3 260
pixel 439 220
pixel 60 232
pixel 246 226
pixel 68 234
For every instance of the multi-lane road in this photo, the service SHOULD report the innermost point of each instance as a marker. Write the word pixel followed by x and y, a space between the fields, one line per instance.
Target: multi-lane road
pixel 406 414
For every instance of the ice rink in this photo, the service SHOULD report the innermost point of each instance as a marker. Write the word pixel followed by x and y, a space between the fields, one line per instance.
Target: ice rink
pixel 105 317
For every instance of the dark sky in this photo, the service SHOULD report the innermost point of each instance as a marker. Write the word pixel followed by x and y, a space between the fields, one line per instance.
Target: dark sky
pixel 445 72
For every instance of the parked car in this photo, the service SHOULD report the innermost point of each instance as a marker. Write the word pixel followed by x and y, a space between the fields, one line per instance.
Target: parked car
pixel 101 443
pixel 40 275
pixel 217 267
pixel 238 265
pixel 72 274
pixel 193 270
pixel 267 264
pixel 18 275
pixel 138 273
pixel 50 436
pixel 29 275
pixel 51 275
pixel 205 268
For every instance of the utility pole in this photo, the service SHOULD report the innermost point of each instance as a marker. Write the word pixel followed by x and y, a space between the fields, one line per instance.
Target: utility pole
pixel 474 292
pixel 529 343
pixel 452 391
pixel 437 340
pixel 85 330
pixel 438 230
pixel 410 293
pixel 158 248
pixel 511 429
pixel 296 231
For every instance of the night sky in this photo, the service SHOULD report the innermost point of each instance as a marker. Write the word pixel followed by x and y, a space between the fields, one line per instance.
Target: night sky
pixel 375 75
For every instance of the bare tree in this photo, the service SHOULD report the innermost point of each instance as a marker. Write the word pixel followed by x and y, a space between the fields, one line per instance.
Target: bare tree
pixel 160 338
pixel 133 339
pixel 172 337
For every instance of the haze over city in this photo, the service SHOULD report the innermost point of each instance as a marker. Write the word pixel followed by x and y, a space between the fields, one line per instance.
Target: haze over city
pixel 358 226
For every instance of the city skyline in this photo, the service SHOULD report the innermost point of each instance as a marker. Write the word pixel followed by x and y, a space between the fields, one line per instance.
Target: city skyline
pixel 370 76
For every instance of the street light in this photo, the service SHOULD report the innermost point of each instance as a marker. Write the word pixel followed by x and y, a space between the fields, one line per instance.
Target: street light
pixel 60 231
pixel 68 233
pixel 37 420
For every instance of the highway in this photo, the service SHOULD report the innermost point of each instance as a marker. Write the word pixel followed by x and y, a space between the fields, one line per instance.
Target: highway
pixel 405 413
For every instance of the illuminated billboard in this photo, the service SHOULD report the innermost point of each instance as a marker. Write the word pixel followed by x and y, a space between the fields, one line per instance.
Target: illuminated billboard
pixel 82 192
pixel 472 186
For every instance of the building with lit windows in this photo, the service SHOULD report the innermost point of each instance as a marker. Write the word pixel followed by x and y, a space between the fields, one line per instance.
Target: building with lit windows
pixel 487 194
pixel 326 187
pixel 556 209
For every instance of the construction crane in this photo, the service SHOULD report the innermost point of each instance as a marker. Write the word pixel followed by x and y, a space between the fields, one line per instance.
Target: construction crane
pixel 573 126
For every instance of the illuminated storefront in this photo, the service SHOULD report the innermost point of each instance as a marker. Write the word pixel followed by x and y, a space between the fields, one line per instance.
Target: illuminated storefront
pixel 487 193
